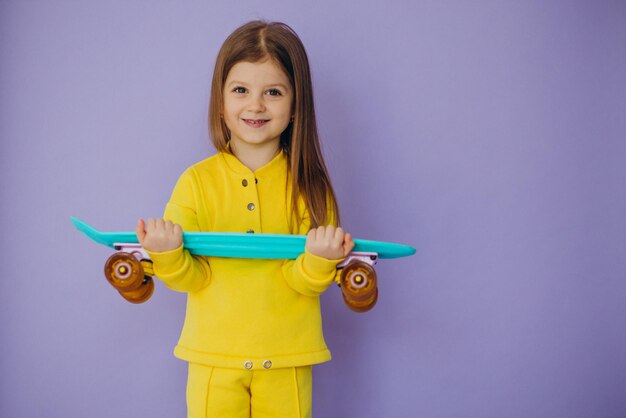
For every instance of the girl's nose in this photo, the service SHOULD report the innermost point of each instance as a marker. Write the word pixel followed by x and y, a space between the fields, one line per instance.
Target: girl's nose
pixel 257 104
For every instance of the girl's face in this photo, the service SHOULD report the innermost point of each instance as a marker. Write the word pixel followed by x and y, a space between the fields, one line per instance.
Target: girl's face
pixel 257 103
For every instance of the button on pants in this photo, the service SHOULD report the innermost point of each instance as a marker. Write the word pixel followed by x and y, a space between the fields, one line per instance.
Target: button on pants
pixel 232 393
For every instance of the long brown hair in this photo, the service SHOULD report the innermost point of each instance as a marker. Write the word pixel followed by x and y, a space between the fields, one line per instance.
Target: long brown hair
pixel 257 41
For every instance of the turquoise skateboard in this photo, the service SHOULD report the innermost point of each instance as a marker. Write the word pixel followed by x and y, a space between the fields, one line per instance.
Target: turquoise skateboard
pixel 129 270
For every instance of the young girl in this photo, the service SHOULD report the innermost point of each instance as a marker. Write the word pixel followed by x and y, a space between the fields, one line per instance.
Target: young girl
pixel 253 328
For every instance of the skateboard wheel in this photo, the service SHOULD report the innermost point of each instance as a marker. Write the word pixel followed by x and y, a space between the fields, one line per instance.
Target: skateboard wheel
pixel 364 306
pixel 141 294
pixel 359 286
pixel 124 272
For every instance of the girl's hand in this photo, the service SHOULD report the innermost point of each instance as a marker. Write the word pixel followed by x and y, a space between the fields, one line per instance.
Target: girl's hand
pixel 329 242
pixel 158 236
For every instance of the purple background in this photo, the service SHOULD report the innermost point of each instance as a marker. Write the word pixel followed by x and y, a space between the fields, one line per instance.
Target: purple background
pixel 491 135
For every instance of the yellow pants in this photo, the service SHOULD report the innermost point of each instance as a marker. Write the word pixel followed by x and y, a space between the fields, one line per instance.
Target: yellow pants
pixel 233 393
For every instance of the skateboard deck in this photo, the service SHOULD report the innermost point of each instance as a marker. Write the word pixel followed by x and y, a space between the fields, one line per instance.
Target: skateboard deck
pixel 130 270
pixel 242 245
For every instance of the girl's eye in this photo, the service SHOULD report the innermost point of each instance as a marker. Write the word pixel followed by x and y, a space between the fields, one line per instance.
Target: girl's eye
pixel 240 90
pixel 274 92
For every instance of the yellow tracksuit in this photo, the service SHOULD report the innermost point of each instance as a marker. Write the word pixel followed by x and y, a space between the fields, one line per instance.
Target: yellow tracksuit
pixel 244 314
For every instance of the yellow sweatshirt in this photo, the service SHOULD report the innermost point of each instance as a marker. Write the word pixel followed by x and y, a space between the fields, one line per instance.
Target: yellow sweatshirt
pixel 244 313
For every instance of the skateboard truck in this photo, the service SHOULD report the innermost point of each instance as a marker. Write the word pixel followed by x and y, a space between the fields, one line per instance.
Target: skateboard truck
pixel 358 282
pixel 129 271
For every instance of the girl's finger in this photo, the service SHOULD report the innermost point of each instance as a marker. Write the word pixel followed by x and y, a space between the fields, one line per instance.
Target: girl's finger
pixel 348 244
pixel 339 234
pixel 320 233
pixel 141 232
pixel 329 234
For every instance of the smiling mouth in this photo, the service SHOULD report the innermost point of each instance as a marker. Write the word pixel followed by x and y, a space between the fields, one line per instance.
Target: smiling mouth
pixel 256 123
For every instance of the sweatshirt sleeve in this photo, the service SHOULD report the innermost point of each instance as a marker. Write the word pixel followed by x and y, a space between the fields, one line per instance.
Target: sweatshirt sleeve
pixel 309 274
pixel 178 269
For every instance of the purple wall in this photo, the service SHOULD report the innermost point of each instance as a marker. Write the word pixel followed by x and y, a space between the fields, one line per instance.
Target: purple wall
pixel 489 135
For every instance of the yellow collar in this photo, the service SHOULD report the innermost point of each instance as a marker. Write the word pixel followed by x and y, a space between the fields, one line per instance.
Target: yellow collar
pixel 278 165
